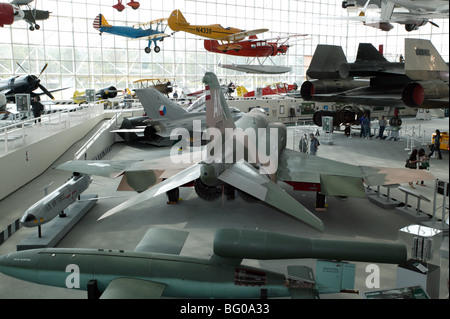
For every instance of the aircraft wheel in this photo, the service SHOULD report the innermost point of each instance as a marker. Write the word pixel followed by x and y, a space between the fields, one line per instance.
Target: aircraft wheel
pixel 157 49
pixel 147 50
pixel 31 28
pixel 37 26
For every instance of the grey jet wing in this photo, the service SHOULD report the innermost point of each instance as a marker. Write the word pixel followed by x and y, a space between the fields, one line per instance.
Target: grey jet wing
pixel 246 178
pixel 105 168
pixel 341 179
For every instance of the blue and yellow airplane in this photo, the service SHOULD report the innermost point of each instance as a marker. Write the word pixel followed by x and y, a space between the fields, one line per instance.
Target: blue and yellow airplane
pixel 153 31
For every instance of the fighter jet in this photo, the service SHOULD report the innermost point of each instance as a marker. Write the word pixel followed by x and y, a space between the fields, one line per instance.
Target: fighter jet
pixel 421 81
pixel 250 156
pixel 120 275
pixel 162 116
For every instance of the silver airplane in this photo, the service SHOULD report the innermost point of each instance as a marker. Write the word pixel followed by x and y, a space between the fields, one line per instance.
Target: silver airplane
pixel 410 13
pixel 54 203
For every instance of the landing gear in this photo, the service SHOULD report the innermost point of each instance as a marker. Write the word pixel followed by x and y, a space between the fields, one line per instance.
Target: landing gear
pixel 33 27
pixel 157 49
pixel 147 50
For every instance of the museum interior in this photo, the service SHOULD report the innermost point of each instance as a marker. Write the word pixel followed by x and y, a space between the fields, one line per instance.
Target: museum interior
pixel 224 149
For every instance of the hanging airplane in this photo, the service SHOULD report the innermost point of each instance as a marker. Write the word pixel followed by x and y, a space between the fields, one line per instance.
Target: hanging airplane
pixel 164 86
pixel 272 89
pixel 10 12
pixel 177 22
pixel 258 49
pixel 153 31
pixel 411 13
pixel 253 47
pixel 252 164
pixel 25 84
pixel 118 274
pixel 421 81
pixel 120 7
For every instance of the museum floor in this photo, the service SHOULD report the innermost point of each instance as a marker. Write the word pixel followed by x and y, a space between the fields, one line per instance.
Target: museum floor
pixel 353 218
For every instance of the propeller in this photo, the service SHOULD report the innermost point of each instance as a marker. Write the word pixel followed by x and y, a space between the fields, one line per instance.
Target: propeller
pixel 433 24
pixel 36 80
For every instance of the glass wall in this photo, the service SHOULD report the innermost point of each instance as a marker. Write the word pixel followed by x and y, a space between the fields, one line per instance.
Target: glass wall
pixel 79 57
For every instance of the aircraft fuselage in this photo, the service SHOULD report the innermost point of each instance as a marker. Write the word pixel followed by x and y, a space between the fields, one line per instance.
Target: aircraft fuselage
pixel 185 277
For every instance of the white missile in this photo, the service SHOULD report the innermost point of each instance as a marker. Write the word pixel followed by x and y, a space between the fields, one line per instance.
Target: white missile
pixel 54 203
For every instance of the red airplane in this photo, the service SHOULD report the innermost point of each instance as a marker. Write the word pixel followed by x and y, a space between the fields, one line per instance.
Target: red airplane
pixel 133 4
pixel 273 89
pixel 249 48
pixel 9 14
pixel 120 7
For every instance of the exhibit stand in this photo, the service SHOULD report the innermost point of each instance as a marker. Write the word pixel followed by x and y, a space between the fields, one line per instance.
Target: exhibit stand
pixel 414 272
pixel 53 231
pixel 384 201
pixel 327 127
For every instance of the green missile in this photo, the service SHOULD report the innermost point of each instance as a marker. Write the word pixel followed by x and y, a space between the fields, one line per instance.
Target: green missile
pixel 233 243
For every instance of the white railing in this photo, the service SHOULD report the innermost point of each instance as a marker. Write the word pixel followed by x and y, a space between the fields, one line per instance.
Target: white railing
pixel 23 133
pixel 414 134
pixel 106 126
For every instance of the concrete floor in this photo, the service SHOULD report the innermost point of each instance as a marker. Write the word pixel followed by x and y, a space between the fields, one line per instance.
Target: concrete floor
pixel 353 218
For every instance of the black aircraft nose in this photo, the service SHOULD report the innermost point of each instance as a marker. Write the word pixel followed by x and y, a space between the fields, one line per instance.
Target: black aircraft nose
pixel 29 218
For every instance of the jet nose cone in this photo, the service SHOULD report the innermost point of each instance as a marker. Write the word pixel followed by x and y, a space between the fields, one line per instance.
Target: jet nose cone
pixel 29 220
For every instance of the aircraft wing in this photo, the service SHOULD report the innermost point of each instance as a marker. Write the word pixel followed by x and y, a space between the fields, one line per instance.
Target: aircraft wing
pixel 21 2
pixel 341 179
pixel 335 178
pixel 130 288
pixel 158 35
pixel 162 241
pixel 105 168
pixel 242 35
pixel 177 180
pixel 246 178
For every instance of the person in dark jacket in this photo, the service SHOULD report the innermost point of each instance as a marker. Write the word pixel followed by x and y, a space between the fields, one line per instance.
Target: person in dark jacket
pixel 436 145
pixel 37 107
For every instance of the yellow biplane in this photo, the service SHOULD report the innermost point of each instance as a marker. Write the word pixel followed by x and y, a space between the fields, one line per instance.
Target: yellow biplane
pixel 164 86
pixel 177 22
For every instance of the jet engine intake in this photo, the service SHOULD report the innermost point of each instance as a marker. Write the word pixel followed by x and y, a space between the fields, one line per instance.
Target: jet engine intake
pixel 419 94
pixel 415 26
pixel 150 133
pixel 209 193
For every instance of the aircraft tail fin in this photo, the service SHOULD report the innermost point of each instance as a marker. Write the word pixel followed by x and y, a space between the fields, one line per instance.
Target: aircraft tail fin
pixel 158 106
pixel 326 62
pixel 218 114
pixel 177 21
pixel 423 61
pixel 100 22
pixel 367 52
